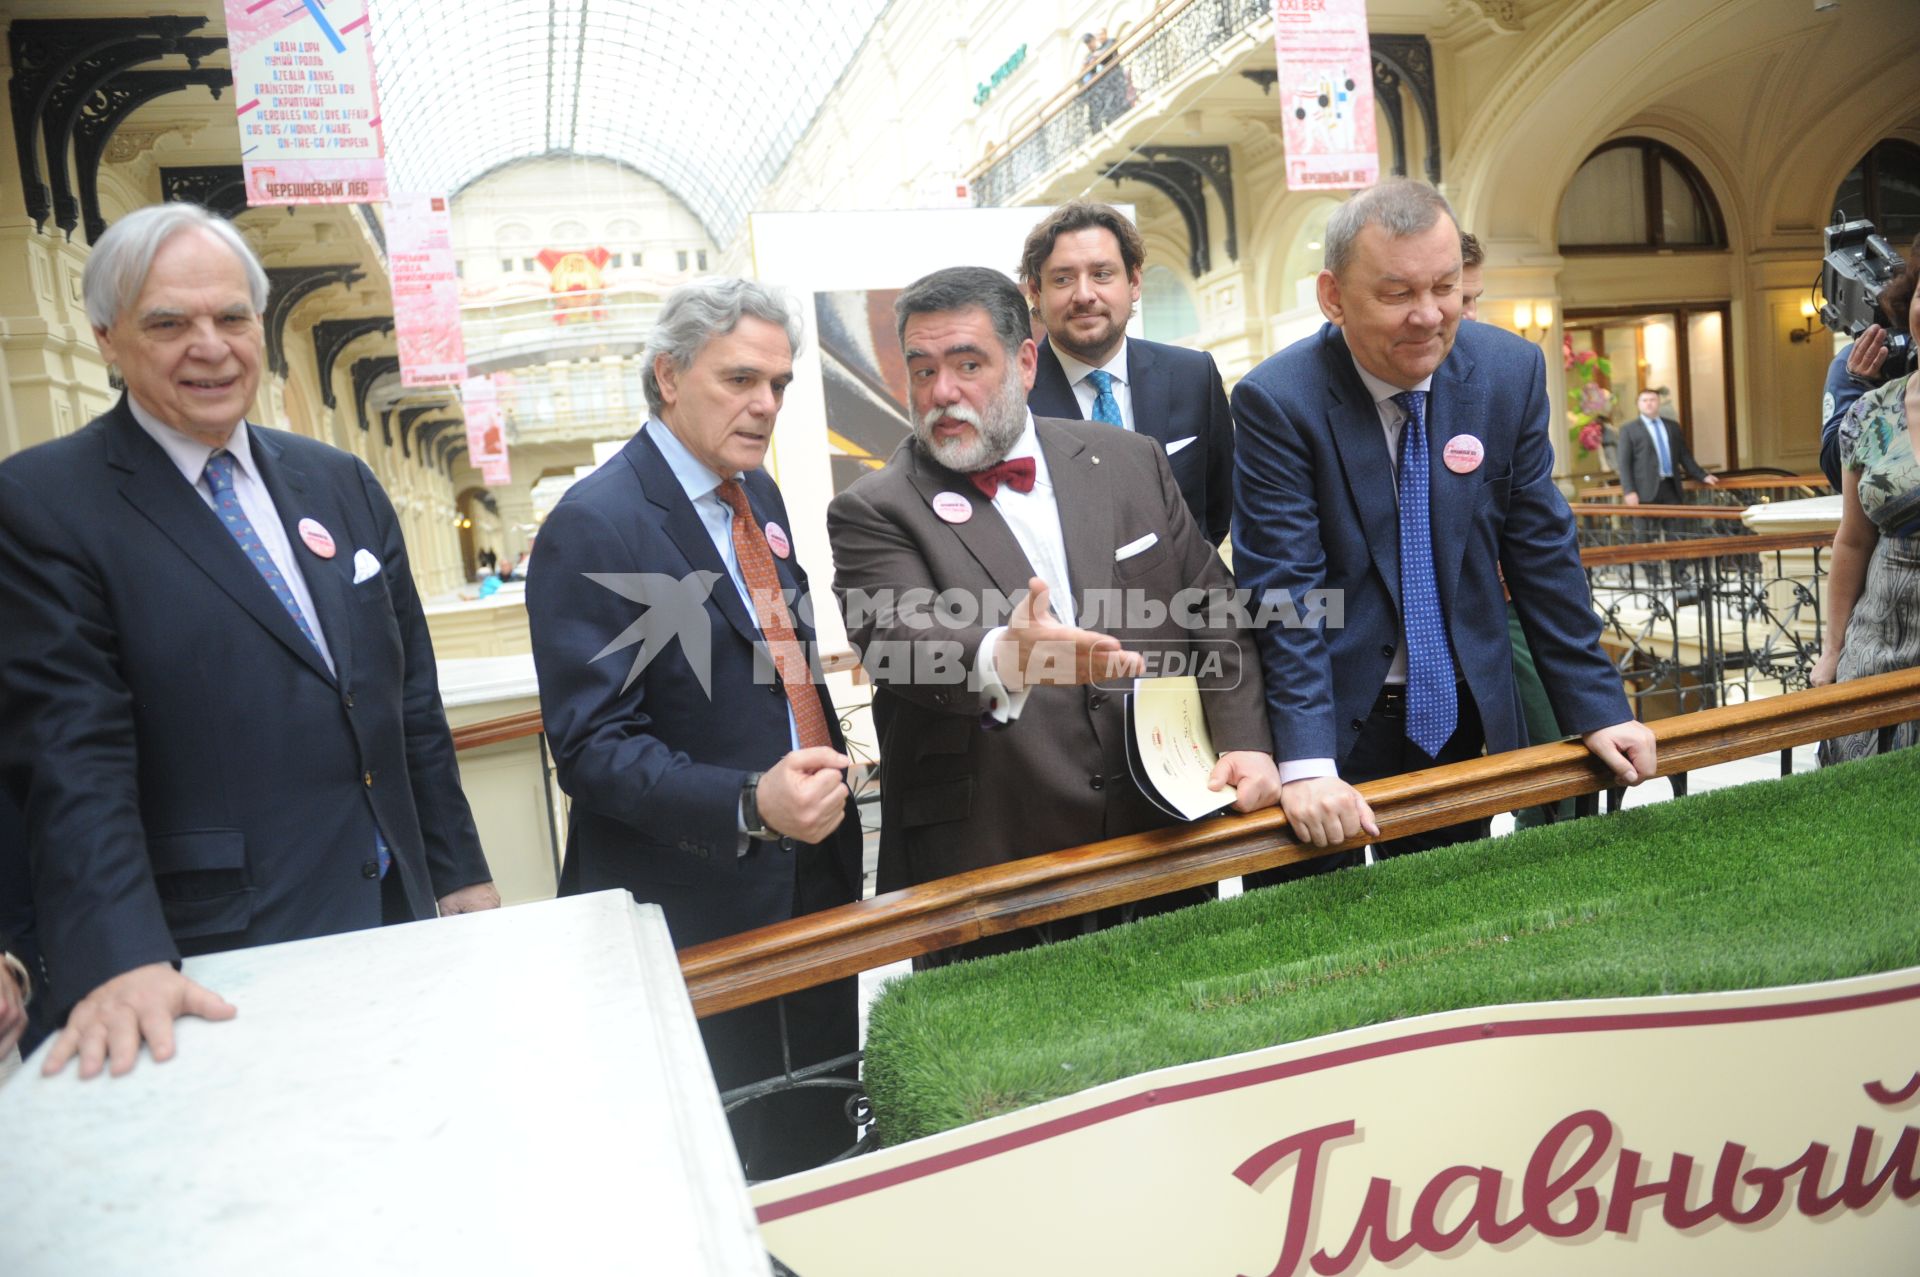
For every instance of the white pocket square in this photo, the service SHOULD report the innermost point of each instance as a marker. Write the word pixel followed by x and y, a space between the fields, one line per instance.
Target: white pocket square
pixel 1132 548
pixel 365 566
pixel 1178 444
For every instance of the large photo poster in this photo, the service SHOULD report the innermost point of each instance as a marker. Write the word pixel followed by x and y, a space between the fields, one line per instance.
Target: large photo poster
pixel 304 95
pixel 1326 94
pixel 846 410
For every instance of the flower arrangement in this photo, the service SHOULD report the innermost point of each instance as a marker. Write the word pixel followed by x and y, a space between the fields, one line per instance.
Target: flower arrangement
pixel 1589 401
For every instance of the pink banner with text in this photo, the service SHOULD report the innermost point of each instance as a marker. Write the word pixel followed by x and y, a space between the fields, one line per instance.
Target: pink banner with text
pixel 486 421
pixel 426 291
pixel 308 109
pixel 1326 94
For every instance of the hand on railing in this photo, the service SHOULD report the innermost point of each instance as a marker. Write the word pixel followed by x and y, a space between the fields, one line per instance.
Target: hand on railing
pixel 1326 811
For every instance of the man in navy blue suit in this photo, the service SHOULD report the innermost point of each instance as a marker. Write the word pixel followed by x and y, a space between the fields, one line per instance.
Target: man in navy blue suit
pixel 1081 270
pixel 222 718
pixel 701 751
pixel 1402 459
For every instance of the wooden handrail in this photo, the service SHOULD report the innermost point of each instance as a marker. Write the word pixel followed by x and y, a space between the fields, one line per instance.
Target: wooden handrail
pixel 1601 509
pixel 1734 482
pixel 743 969
pixel 494 731
pixel 1595 556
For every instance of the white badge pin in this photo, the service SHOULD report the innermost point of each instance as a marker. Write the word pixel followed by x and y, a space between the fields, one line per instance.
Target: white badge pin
pixel 952 507
pixel 318 539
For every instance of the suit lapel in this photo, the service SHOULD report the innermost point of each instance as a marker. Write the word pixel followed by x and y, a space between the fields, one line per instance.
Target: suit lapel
pixel 1051 396
pixel 1354 423
pixel 156 489
pixel 295 497
pixel 1152 396
pixel 1458 406
pixel 1078 487
pixel 686 530
pixel 983 534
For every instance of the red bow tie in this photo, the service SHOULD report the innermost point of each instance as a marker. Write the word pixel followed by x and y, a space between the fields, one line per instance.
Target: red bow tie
pixel 1016 474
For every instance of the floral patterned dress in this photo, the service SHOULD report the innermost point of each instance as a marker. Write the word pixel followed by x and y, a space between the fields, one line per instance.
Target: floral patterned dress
pixel 1883 634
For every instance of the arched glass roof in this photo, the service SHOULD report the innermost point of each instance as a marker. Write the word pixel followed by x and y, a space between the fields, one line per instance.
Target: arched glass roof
pixel 706 96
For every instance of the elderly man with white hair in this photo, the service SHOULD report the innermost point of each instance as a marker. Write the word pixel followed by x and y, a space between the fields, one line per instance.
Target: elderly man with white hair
pixel 220 710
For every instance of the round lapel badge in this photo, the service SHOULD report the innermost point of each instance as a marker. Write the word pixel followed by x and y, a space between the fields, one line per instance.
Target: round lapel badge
pixel 1463 454
pixel 318 539
pixel 777 540
pixel 952 507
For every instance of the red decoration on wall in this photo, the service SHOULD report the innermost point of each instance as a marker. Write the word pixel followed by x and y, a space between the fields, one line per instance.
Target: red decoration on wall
pixel 578 282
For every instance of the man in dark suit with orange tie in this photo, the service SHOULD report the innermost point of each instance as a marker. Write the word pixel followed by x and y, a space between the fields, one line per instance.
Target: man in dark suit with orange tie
pixel 671 632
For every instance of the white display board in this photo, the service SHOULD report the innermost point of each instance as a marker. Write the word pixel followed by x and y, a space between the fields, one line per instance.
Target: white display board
pixel 512 1092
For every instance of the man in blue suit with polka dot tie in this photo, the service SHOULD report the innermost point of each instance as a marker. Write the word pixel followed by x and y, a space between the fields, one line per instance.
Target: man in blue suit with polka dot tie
pixel 1402 462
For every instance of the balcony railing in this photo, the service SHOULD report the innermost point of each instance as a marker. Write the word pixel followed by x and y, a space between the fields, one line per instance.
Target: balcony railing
pixel 1158 54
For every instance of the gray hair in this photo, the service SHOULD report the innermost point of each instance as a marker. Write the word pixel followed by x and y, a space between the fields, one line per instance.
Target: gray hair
pixel 707 308
pixel 1400 206
pixel 964 287
pixel 118 265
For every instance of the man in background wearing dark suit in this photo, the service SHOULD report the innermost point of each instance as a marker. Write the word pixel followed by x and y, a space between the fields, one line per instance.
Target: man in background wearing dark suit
pixel 1081 271
pixel 671 632
pixel 1402 459
pixel 222 718
pixel 1654 454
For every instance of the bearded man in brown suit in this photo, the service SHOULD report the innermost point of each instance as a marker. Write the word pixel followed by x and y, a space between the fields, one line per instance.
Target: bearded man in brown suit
pixel 1004 740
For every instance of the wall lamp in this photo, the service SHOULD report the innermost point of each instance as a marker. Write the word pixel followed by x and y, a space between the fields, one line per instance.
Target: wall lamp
pixel 1533 320
pixel 1812 323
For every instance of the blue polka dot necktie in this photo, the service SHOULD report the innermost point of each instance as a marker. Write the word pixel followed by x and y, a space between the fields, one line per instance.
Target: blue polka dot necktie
pixel 1433 702
pixel 1105 407
pixel 226 504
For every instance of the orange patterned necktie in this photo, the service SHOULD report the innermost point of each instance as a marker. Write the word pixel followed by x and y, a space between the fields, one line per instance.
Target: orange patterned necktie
pixel 770 607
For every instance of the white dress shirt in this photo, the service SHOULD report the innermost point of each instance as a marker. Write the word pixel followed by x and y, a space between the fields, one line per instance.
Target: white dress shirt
pixel 1085 392
pixel 1662 446
pixel 1034 519
pixel 190 456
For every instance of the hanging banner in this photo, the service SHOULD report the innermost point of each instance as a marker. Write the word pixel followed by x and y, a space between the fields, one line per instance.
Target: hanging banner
pixel 486 421
pixel 1326 94
pixel 304 93
pixel 496 474
pixel 426 291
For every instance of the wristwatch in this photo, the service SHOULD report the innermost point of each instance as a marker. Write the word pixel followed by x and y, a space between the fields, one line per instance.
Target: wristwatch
pixel 17 971
pixel 750 810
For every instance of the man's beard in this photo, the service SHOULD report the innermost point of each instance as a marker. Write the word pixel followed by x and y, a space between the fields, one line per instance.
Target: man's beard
pixel 995 430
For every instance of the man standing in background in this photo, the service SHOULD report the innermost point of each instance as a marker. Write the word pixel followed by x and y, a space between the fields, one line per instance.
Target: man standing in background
pixel 1081 271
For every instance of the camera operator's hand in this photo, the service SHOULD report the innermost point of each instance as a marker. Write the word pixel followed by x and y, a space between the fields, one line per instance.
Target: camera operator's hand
pixel 1869 354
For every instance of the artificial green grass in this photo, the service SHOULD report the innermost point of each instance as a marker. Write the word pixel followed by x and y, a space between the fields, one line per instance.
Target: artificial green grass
pixel 1807 878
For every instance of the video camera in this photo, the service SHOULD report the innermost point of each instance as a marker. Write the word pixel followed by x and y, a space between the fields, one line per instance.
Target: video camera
pixel 1858 267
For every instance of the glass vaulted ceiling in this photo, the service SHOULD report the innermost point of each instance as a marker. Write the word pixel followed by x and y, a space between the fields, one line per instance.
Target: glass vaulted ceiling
pixel 707 97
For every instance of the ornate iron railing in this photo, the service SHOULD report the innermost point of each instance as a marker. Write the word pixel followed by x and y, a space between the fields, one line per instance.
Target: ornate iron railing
pixel 1179 42
pixel 1698 624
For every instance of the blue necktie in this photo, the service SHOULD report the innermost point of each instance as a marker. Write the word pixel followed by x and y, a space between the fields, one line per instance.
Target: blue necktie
pixel 1659 433
pixel 1105 407
pixel 227 505
pixel 1433 703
